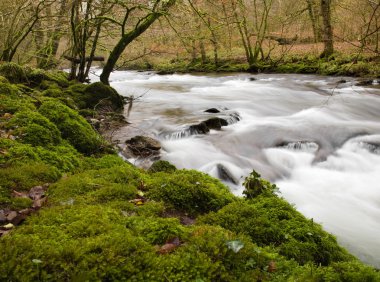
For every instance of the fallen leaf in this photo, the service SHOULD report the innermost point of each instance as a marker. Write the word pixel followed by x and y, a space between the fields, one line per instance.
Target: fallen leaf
pixel 235 245
pixel 272 266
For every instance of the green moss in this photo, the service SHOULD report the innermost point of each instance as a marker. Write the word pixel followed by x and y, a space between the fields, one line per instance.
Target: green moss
pixel 3 79
pixel 20 203
pixel 25 176
pixel 190 191
pixel 98 94
pixel 272 221
pixel 106 161
pixel 162 166
pixel 73 127
pixel 13 72
pixel 35 129
pixel 155 230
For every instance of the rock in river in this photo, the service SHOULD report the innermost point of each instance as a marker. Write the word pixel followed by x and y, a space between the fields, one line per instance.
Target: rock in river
pixel 142 146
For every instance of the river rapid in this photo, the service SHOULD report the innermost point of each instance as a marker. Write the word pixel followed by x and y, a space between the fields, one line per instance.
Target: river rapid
pixel 317 138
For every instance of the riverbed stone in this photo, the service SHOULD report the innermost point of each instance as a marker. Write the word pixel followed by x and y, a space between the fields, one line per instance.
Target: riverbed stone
pixel 11 216
pixel 143 146
pixel 3 218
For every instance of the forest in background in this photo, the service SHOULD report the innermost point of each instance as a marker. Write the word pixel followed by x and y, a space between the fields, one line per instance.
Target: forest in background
pixel 193 35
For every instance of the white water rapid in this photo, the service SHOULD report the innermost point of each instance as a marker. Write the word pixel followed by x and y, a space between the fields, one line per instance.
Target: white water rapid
pixel 317 139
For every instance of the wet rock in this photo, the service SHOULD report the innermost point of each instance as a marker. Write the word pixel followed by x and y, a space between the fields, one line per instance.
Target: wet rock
pixel 212 111
pixel 200 128
pixel 252 79
pixel 372 147
pixel 17 194
pixel 19 219
pixel 36 192
pixel 226 175
pixel 37 204
pixel 4 232
pixel 216 123
pixel 342 81
pixel 3 218
pixel 366 82
pixel 164 72
pixel 94 122
pixel 142 146
pixel 306 146
pixel 185 220
pixel 11 216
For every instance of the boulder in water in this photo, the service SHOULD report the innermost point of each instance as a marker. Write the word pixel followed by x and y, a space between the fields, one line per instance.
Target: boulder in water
pixel 212 111
pixel 216 123
pixel 142 146
pixel 200 128
pixel 226 175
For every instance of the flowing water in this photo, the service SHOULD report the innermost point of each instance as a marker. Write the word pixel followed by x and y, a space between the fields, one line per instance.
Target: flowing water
pixel 317 138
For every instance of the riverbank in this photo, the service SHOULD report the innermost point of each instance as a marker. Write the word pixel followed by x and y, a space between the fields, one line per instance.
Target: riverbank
pixel 104 219
pixel 338 65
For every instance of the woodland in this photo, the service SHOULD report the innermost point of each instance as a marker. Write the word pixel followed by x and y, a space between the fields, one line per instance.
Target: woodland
pixel 71 209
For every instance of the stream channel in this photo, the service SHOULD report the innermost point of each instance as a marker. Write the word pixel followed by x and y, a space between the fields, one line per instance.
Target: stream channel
pixel 317 138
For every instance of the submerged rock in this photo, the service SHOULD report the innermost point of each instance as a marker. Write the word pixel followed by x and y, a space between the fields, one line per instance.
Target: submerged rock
pixel 226 175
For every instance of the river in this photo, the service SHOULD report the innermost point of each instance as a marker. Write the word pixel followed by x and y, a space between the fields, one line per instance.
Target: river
pixel 316 137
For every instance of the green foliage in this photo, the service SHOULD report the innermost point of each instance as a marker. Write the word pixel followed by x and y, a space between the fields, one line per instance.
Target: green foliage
pixel 73 127
pixel 3 79
pixel 272 221
pixel 162 166
pixel 189 191
pixel 255 186
pixel 13 72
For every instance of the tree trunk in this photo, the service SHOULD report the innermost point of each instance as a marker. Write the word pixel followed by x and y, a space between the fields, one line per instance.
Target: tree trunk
pixel 124 41
pixel 314 19
pixel 327 29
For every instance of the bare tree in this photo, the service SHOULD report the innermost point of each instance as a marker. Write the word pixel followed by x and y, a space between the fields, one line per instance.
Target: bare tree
pixel 151 12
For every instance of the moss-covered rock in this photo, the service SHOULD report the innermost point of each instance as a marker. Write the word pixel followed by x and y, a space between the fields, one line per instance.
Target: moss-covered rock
pixel 35 129
pixel 189 191
pixel 73 127
pixel 25 176
pixel 13 72
pixel 98 94
pixel 162 166
pixel 272 221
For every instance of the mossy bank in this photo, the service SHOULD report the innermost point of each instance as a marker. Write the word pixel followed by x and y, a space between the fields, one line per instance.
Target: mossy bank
pixel 337 65
pixel 106 220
